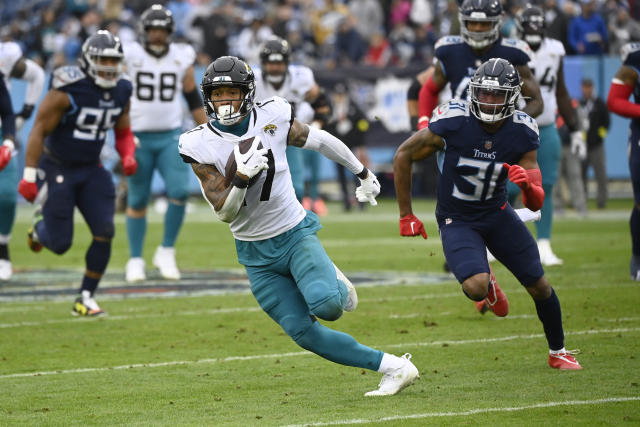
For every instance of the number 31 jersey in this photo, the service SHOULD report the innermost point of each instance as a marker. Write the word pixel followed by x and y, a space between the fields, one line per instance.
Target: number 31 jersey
pixel 156 104
pixel 270 207
pixel 545 63
pixel 471 179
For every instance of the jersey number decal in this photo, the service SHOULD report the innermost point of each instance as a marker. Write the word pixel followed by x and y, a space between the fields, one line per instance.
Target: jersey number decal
pixel 265 194
pixel 92 122
pixel 546 80
pixel 145 86
pixel 482 188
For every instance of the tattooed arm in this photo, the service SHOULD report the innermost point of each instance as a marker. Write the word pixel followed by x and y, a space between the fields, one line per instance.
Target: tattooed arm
pixel 225 201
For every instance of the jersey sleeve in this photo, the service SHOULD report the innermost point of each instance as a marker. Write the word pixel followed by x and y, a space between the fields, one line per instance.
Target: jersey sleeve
pixel 11 53
pixel 448 117
pixel 443 50
pixel 64 76
pixel 304 79
pixel 516 51
pixel 187 146
pixel 630 53
pixel 187 54
pixel 531 134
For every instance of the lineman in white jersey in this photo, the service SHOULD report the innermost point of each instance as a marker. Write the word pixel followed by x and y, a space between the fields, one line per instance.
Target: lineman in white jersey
pixel 291 276
pixel 160 72
pixel 296 84
pixel 546 64
pixel 12 64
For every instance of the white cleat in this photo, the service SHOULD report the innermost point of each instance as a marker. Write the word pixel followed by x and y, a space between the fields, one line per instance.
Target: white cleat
pixel 165 260
pixel 547 257
pixel 135 270
pixel 352 297
pixel 5 269
pixel 395 381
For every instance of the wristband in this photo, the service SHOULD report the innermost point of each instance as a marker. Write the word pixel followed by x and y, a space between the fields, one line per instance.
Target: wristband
pixel 9 143
pixel 239 182
pixel 363 174
pixel 29 174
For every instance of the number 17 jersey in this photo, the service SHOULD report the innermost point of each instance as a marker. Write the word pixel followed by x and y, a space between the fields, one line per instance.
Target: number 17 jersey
pixel 156 103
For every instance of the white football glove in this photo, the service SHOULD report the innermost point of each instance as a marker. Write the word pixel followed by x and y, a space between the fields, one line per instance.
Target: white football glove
pixel 578 145
pixel 368 190
pixel 253 161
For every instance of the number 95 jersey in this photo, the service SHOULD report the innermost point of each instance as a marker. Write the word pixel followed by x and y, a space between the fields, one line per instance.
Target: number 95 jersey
pixel 156 104
pixel 471 179
pixel 270 207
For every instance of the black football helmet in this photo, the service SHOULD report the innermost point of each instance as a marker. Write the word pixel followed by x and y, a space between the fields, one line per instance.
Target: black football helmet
pixel 229 71
pixel 274 49
pixel 157 16
pixel 530 24
pixel 102 44
pixel 480 11
pixel 494 89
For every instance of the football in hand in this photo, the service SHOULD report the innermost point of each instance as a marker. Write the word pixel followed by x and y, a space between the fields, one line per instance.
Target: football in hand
pixel 231 166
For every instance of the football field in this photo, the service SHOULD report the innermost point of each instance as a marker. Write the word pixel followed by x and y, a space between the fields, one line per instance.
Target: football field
pixel 201 351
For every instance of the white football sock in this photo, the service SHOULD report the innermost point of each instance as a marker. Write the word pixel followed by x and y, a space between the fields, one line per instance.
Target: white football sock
pixel 389 363
pixel 562 350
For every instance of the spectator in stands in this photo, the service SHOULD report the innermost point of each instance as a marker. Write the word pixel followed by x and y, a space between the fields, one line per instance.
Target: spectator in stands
pixel 369 17
pixel 250 40
pixel 595 118
pixel 622 30
pixel 379 52
pixel 349 47
pixel 557 23
pixel 588 32
pixel 215 29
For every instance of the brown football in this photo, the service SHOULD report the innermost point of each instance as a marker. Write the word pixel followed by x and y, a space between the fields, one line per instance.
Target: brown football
pixel 231 167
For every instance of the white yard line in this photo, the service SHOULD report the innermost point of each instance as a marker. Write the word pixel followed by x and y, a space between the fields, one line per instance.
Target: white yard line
pixel 306 353
pixel 472 411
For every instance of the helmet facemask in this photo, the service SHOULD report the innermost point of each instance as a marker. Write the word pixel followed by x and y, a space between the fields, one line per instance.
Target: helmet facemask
pixel 223 110
pixel 479 40
pixel 95 50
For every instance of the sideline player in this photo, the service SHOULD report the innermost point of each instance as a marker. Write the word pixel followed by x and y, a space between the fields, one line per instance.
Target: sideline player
pixel 546 65
pixel 13 64
pixel 624 83
pixel 296 84
pixel 160 71
pixel 291 276
pixel 64 145
pixel 484 136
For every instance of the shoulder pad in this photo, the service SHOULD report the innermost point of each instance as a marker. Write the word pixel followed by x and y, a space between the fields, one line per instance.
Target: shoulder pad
pixel 66 75
pixel 277 100
pixel 186 52
pixel 628 49
pixel 527 120
pixel 188 139
pixel 518 44
pixel 448 40
pixel 555 46
pixel 453 108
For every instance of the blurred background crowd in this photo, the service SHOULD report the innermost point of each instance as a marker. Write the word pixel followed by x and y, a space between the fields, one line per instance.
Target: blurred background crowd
pixel 324 34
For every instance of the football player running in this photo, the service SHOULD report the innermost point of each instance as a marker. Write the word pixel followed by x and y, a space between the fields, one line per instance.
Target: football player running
pixel 13 64
pixel 64 145
pixel 296 84
pixel 625 82
pixel 160 72
pixel 456 59
pixel 546 65
pixel 291 276
pixel 487 140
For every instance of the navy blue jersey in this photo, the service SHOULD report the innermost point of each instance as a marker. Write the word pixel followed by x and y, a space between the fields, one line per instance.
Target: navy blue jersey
pixel 631 58
pixel 459 61
pixel 81 133
pixel 471 179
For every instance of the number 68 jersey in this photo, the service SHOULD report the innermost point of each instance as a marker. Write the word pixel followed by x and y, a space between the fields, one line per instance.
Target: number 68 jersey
pixel 270 207
pixel 156 104
pixel 471 179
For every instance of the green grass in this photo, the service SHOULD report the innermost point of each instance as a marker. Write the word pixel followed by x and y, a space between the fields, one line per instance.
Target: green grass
pixel 183 361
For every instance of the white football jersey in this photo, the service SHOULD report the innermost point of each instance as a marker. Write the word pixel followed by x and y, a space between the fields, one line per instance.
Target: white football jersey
pixel 271 207
pixel 156 102
pixel 297 82
pixel 545 63
pixel 10 53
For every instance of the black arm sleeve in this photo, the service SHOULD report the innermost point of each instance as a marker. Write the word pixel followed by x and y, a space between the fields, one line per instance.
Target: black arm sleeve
pixel 414 90
pixel 193 99
pixel 322 102
pixel 6 112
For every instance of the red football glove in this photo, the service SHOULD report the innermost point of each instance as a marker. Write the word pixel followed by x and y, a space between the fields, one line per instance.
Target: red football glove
pixel 5 156
pixel 410 225
pixel 518 175
pixel 129 165
pixel 29 190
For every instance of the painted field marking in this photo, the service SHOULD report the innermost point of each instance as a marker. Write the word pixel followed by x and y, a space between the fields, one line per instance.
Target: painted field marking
pixel 305 353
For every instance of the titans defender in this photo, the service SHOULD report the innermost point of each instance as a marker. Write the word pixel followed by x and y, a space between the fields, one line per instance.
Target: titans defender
pixel 296 84
pixel 64 145
pixel 160 71
pixel 14 65
pixel 456 60
pixel 546 65
pixel 479 143
pixel 291 276
pixel 625 82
